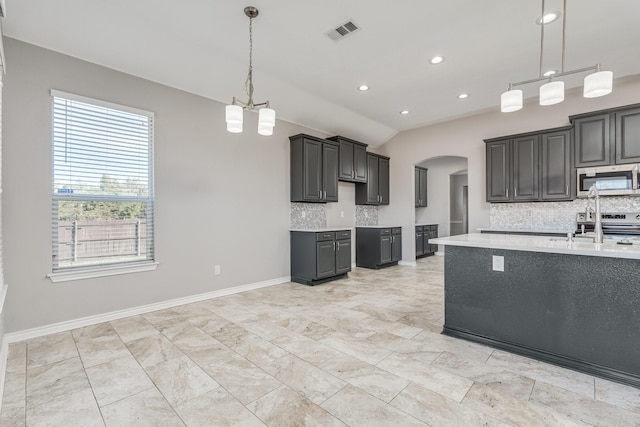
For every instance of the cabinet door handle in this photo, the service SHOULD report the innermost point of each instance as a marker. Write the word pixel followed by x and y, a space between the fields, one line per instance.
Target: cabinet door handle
pixel 567 190
pixel 515 192
pixel 338 246
pixel 320 194
pixel 506 193
pixel 334 246
pixel 325 194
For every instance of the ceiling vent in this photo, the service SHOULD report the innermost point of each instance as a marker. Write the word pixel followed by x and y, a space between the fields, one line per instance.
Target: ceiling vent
pixel 343 30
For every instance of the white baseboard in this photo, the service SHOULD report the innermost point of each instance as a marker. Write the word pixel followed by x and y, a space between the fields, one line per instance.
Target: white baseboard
pixel 408 263
pixel 134 311
pixel 4 346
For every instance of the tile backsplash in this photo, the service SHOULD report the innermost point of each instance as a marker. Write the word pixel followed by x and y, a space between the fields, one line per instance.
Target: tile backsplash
pixel 559 216
pixel 313 216
pixel 366 215
pixel 310 216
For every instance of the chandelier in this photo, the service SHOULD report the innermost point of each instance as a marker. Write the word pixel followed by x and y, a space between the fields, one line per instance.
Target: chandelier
pixel 234 111
pixel 598 83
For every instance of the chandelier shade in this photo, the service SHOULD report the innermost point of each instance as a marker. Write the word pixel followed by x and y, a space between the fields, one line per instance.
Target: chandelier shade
pixel 598 84
pixel 511 101
pixel 552 93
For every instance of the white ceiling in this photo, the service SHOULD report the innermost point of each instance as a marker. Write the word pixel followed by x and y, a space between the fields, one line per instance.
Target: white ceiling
pixel 201 46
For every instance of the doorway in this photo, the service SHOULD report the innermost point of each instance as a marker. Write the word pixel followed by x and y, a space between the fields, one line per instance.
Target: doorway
pixel 459 203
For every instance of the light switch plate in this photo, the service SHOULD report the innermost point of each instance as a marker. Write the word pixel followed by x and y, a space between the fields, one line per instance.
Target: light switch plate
pixel 498 263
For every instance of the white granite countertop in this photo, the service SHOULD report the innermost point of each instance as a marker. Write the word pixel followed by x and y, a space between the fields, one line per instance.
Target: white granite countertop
pixel 321 230
pixel 559 245
pixel 533 230
pixel 379 226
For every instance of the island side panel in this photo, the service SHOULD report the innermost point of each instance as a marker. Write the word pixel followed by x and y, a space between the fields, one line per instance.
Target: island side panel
pixel 553 307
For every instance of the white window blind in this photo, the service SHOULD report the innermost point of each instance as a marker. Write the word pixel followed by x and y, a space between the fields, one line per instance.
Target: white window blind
pixel 102 196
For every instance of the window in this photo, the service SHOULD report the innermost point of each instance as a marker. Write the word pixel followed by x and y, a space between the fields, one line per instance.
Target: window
pixel 102 194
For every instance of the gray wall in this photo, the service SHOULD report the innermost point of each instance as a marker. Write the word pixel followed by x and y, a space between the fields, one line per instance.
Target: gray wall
pixel 464 138
pixel 221 198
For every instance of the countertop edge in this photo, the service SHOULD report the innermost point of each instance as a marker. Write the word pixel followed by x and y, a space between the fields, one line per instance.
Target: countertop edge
pixel 538 244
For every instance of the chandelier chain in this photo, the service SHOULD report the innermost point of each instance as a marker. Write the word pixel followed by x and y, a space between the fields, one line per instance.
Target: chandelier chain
pixel 248 84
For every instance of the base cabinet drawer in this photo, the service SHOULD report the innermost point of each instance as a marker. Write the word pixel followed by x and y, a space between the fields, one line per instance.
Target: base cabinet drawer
pixel 318 257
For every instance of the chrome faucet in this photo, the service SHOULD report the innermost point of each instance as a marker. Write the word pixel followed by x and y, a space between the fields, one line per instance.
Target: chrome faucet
pixel 597 229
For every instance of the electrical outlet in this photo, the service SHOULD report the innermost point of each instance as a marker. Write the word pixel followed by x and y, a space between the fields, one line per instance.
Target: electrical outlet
pixel 216 270
pixel 341 214
pixel 498 263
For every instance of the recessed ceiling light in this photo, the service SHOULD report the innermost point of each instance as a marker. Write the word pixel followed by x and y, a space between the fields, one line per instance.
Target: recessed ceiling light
pixel 363 88
pixel 463 96
pixel 404 112
pixel 548 18
pixel 436 60
pixel 549 73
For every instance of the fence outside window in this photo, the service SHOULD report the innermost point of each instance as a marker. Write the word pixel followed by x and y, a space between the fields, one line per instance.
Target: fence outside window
pixel 100 241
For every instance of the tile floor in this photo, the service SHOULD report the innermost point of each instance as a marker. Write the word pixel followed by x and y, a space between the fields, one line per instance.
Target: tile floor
pixel 362 351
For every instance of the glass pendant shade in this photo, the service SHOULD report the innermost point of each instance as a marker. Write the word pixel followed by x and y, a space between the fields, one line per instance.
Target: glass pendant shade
pixel 233 114
pixel 510 101
pixel 234 127
pixel 264 129
pixel 598 84
pixel 552 93
pixel 267 116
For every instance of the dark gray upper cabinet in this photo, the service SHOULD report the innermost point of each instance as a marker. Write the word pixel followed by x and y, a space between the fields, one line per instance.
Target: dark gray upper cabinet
pixel 376 189
pixel 314 169
pixel 330 159
pixel 628 136
pixel 353 160
pixel 526 160
pixel 593 141
pixel 530 167
pixel 421 187
pixel 498 170
pixel 607 137
pixel 383 179
pixel 558 179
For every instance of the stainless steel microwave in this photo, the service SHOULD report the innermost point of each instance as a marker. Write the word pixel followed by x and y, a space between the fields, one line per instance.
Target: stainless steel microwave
pixel 617 180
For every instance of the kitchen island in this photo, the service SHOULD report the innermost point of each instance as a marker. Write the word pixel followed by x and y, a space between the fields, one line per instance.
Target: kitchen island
pixel 574 304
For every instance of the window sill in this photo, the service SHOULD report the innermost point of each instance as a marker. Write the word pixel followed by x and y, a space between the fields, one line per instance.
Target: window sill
pixel 92 272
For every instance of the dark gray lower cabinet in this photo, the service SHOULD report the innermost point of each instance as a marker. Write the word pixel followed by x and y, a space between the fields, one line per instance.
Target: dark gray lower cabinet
pixel 318 257
pixel 423 234
pixel 378 247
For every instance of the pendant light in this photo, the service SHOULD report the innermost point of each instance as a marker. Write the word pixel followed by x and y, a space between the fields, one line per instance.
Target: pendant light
pixel 599 83
pixel 234 111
